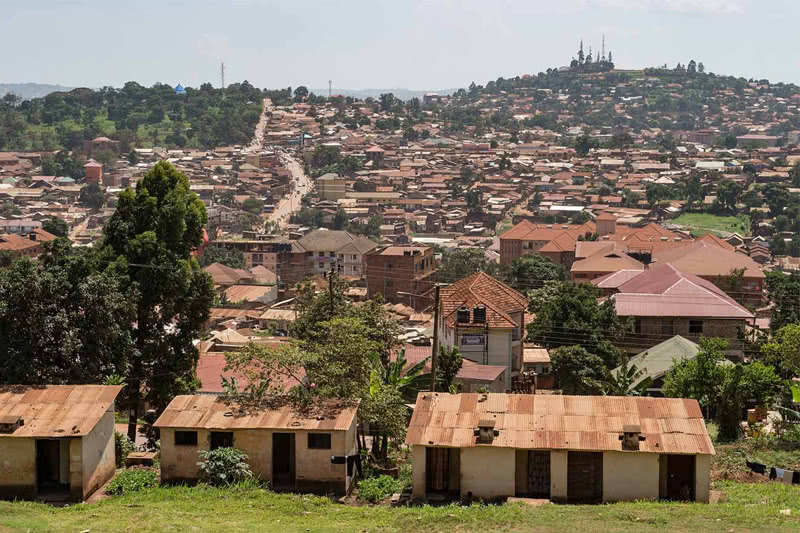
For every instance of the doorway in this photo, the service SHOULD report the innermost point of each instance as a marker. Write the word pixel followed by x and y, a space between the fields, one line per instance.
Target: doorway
pixel 221 439
pixel 680 477
pixel 539 474
pixel 283 461
pixel 52 467
pixel 585 477
pixel 437 470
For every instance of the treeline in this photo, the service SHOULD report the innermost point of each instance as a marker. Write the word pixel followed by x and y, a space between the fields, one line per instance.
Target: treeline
pixel 136 116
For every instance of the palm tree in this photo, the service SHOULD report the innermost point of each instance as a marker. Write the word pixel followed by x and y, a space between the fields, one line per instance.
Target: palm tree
pixel 627 381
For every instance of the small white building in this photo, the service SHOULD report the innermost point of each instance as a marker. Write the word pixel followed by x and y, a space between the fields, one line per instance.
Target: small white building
pixel 585 449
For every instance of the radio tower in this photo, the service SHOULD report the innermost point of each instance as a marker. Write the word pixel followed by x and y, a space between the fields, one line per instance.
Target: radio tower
pixel 222 74
pixel 330 84
pixel 604 47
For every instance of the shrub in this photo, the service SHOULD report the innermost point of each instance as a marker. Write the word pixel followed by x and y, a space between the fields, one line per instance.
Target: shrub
pixel 375 489
pixel 133 480
pixel 224 466
pixel 122 447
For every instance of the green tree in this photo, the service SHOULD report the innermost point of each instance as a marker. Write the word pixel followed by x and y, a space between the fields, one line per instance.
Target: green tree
pixel 65 320
pixel 253 205
pixel 152 234
pixel 794 175
pixel 728 194
pixel 55 226
pixel 448 365
pixel 91 195
pixel 530 271
pixel 698 378
pixel 583 145
pixel 340 219
pixel 783 352
pixel 784 292
pixel 462 262
pixel 300 92
pixel 576 370
pixel 222 255
pixel 569 314
pixel 625 380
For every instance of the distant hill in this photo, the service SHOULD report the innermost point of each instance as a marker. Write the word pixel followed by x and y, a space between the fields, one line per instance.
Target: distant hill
pixel 31 90
pixel 403 94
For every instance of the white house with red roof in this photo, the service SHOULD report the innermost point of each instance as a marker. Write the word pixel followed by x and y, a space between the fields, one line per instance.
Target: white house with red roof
pixel 484 318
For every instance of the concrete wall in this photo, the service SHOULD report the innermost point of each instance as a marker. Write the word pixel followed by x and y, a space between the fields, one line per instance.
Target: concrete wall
pixel 17 468
pixel 558 475
pixel 76 468
pixel 630 476
pixel 313 468
pixel 488 472
pixel 702 478
pixel 98 454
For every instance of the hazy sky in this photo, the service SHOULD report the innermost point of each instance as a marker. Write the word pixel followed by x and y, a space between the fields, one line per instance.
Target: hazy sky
pixel 417 44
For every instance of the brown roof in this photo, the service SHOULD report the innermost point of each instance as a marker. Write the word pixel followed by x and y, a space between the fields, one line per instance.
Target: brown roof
pixel 529 231
pixel 705 258
pixel 56 410
pixel 527 421
pixel 225 275
pixel 205 411
pixel 665 291
pixel 607 262
pixel 482 289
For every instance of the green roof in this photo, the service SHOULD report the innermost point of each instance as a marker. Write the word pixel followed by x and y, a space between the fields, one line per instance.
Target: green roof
pixel 658 360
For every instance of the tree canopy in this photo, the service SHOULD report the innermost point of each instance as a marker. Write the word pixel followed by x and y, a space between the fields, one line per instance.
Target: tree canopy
pixel 152 235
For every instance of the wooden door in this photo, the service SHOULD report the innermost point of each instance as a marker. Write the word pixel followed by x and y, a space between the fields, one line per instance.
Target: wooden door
pixel 539 474
pixel 585 477
pixel 437 469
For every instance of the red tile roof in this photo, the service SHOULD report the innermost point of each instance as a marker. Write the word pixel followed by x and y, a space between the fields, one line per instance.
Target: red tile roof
pixel 482 289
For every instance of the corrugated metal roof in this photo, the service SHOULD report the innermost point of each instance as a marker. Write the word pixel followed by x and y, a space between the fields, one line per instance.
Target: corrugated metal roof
pixel 593 423
pixel 56 410
pixel 205 411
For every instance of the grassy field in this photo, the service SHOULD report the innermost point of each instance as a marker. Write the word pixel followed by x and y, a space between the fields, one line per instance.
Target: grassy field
pixel 702 223
pixel 503 226
pixel 743 508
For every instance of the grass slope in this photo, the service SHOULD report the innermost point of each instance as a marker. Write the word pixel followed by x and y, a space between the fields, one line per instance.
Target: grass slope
pixel 702 223
pixel 754 507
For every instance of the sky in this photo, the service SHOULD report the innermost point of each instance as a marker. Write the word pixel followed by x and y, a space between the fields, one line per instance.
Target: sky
pixel 359 44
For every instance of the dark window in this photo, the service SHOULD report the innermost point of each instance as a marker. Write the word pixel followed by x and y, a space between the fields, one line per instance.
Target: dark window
pixel 319 441
pixel 667 327
pixel 221 439
pixel 186 438
pixel 696 327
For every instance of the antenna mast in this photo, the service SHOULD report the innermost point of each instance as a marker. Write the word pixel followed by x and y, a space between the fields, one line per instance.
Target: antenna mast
pixel 604 47
pixel 222 74
pixel 330 84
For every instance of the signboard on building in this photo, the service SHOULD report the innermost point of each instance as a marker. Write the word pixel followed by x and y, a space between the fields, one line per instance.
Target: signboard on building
pixel 472 339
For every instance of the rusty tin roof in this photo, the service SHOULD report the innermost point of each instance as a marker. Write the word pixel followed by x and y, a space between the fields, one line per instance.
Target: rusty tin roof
pixel 590 423
pixel 205 411
pixel 56 410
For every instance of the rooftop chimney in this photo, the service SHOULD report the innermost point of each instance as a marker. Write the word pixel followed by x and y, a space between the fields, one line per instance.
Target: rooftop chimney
pixel 485 431
pixel 631 435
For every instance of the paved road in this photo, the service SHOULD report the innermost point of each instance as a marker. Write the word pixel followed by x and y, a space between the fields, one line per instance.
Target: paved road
pixel 291 203
pixel 302 183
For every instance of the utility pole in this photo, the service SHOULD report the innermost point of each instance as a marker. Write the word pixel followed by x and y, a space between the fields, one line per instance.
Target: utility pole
pixel 330 287
pixel 435 354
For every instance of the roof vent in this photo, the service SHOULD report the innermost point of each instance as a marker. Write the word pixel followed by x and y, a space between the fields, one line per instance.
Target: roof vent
pixel 486 432
pixel 479 314
pixel 462 315
pixel 10 423
pixel 631 435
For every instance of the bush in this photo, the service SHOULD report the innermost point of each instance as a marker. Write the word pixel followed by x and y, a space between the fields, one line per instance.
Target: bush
pixel 224 466
pixel 133 480
pixel 122 447
pixel 375 489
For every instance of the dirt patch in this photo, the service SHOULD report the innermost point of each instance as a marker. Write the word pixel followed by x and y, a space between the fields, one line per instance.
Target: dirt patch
pixel 737 475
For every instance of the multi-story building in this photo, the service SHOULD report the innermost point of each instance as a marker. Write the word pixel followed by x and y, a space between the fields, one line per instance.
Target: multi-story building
pixel 406 269
pixel 280 256
pixel 484 318
pixel 331 187
pixel 324 249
